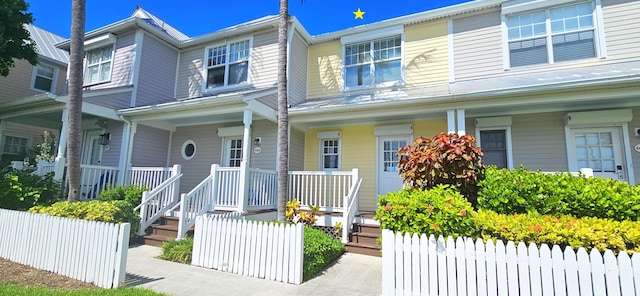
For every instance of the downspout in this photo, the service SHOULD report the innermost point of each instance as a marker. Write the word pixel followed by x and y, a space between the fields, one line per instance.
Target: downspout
pixel 125 149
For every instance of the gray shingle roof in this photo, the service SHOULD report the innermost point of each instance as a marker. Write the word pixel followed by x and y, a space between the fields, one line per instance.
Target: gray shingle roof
pixel 45 44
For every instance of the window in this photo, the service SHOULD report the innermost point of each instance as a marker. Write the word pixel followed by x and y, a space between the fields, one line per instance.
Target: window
pixel 494 147
pixel 330 154
pixel 98 65
pixel 553 35
pixel 235 152
pixel 188 149
pixel 228 64
pixel 43 77
pixel 373 62
pixel 15 145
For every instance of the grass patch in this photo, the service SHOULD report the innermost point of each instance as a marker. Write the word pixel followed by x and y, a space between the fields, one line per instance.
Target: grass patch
pixel 17 290
pixel 178 251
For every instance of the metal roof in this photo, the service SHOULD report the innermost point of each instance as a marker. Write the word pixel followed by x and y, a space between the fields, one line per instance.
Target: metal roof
pixel 45 44
pixel 155 21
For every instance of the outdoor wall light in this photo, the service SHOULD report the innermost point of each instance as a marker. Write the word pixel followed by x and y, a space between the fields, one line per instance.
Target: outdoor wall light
pixel 104 139
pixel 257 141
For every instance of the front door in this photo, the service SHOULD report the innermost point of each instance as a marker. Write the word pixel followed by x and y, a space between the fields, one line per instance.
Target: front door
pixel 92 150
pixel 599 149
pixel 232 153
pixel 388 177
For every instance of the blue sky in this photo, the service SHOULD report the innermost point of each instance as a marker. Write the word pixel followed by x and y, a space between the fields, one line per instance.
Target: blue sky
pixel 197 17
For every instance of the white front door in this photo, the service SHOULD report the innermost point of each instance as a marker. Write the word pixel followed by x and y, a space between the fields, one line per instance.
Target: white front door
pixel 599 149
pixel 388 177
pixel 92 150
pixel 232 152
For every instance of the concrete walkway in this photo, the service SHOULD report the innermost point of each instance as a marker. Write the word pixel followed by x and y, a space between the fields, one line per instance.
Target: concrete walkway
pixel 352 274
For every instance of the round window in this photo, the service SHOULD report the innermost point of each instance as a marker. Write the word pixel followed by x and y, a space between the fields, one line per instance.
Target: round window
pixel 188 149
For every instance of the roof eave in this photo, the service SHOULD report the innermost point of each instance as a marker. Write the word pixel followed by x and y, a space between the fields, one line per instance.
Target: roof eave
pixel 231 31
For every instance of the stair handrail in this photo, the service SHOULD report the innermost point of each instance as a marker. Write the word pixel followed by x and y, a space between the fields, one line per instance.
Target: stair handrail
pixel 154 203
pixel 350 210
pixel 197 202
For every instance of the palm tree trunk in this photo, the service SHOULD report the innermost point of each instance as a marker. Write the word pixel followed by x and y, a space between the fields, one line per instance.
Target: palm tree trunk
pixel 74 105
pixel 283 112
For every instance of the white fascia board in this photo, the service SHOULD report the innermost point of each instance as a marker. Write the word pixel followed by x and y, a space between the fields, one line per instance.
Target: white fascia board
pixel 43 97
pixel 231 32
pixel 99 41
pixel 518 6
pixel 371 35
pixel 32 111
pixel 262 110
pixel 103 112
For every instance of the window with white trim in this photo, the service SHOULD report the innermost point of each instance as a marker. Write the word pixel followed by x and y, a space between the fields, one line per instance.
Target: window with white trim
pixel 494 147
pixel 329 154
pixel 15 145
pixel 98 65
pixel 375 62
pixel 552 35
pixel 227 64
pixel 43 77
pixel 235 152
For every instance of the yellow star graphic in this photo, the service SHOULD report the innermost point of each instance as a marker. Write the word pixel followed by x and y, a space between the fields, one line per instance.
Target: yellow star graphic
pixel 359 14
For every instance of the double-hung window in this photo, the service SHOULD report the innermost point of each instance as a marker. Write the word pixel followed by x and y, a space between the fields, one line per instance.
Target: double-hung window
pixel 227 64
pixel 552 35
pixel 14 145
pixel 372 63
pixel 98 65
pixel 330 154
pixel 43 77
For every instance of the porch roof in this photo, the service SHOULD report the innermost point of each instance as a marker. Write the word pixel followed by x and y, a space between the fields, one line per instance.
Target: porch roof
pixel 223 106
pixel 507 92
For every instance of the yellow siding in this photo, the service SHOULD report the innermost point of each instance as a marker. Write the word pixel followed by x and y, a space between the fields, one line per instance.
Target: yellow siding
pixel 325 69
pixel 426 54
pixel 429 128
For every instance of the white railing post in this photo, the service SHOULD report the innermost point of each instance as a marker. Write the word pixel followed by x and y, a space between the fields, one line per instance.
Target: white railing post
pixel 143 214
pixel 183 216
pixel 175 196
pixel 214 176
pixel 355 176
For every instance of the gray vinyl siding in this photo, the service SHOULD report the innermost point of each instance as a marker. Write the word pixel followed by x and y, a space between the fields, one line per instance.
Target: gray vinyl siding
pixel 113 101
pixel 268 131
pixel 539 141
pixel 123 58
pixel 111 157
pixel 264 60
pixel 622 28
pixel 32 133
pixel 298 70
pixel 477 45
pixel 296 150
pixel 18 84
pixel 150 147
pixel 635 140
pixel 157 72
pixel 208 147
pixel 190 68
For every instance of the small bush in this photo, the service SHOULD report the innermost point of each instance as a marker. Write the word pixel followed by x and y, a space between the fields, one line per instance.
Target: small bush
pixel 564 230
pixel 115 211
pixel 130 193
pixel 439 211
pixel 178 251
pixel 522 191
pixel 319 251
pixel 445 159
pixel 21 190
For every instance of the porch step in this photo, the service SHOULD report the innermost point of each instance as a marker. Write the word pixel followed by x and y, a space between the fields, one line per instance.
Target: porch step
pixel 165 230
pixel 364 240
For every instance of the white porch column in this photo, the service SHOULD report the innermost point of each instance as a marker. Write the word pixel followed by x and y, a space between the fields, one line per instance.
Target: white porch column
pixel 243 201
pixel 61 161
pixel 124 161
pixel 461 122
pixel 451 121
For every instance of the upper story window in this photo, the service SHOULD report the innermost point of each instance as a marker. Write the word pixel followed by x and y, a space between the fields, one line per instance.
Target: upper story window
pixel 373 62
pixel 98 65
pixel 15 145
pixel 228 64
pixel 43 77
pixel 552 35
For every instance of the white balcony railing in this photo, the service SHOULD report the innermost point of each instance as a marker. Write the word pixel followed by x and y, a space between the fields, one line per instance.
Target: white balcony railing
pixel 151 177
pixel 326 189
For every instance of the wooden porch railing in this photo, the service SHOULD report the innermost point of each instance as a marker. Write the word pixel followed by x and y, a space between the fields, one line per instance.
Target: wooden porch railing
pixel 326 189
pixel 351 205
pixel 150 177
pixel 157 202
pixel 95 178
pixel 227 191
pixel 197 201
pixel 263 189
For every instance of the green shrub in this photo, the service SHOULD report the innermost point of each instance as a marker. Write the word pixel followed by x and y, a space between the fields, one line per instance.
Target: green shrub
pixel 115 211
pixel 445 159
pixel 319 251
pixel 439 211
pixel 522 191
pixel 178 250
pixel 564 230
pixel 21 190
pixel 130 193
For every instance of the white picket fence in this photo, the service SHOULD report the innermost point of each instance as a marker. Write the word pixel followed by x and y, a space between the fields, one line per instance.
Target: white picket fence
pixel 263 250
pixel 421 265
pixel 89 251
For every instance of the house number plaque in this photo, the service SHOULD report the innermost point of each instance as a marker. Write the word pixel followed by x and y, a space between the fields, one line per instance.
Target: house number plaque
pixel 637 148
